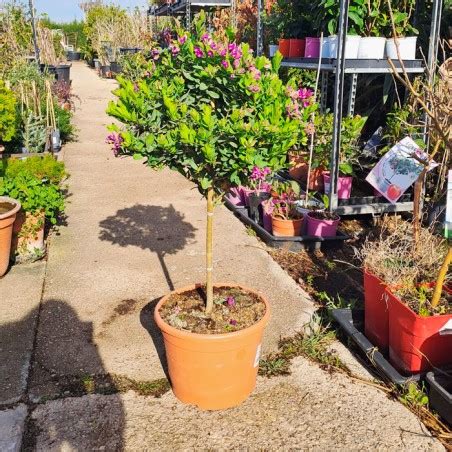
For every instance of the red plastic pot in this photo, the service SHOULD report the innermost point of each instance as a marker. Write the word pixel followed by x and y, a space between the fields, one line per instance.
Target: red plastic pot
pixel 376 318
pixel 296 48
pixel 284 47
pixel 417 344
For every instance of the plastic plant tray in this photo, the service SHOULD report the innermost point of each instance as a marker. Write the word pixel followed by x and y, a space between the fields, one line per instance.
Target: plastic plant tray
pixel 306 242
pixel 352 323
pixel 440 393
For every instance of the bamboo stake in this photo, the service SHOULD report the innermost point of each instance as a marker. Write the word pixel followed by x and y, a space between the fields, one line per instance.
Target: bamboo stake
pixel 209 247
pixel 441 277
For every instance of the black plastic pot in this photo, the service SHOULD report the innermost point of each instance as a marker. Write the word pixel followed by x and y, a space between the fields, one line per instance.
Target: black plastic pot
pixel 115 67
pixel 63 73
pixel 73 56
pixel 105 71
pixel 128 50
pixel 440 393
pixel 48 69
pixel 255 205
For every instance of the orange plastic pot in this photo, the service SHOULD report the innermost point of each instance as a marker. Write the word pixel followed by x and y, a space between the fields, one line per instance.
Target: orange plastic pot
pixel 212 371
pixel 284 47
pixel 376 317
pixel 298 169
pixel 286 228
pixel 8 210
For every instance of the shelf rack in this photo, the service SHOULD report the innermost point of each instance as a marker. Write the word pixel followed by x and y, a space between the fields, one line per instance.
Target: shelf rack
pixel 340 66
pixel 187 8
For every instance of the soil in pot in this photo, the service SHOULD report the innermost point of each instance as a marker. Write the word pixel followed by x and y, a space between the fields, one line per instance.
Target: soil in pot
pixel 213 370
pixel 234 310
pixel 322 224
pixel 6 207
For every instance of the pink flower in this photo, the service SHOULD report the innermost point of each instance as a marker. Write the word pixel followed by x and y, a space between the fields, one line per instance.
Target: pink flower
pixel 254 88
pixel 230 301
pixel 174 49
pixel 225 64
pixel 182 39
pixel 223 52
pixel 213 46
pixel 205 37
pixel 155 54
pixel 305 93
pixel 210 53
pixel 116 140
pixel 236 63
pixel 198 52
pixel 233 322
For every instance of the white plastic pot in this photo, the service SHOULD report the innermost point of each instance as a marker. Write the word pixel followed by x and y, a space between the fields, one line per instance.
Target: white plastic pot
pixel 326 47
pixel 351 46
pixel 407 48
pixel 272 49
pixel 372 48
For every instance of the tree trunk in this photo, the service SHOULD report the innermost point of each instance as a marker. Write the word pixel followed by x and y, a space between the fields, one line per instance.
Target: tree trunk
pixel 209 247
pixel 441 278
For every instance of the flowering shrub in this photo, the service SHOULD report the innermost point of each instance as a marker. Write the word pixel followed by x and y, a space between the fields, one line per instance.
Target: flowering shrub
pixel 210 110
pixel 259 179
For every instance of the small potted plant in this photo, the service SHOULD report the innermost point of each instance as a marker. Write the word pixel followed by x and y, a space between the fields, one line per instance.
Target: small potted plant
pixel 320 222
pixel 402 34
pixel 348 158
pixel 287 221
pixel 260 191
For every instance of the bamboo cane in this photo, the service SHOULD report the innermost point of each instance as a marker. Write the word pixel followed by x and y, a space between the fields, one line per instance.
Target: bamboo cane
pixel 209 247
pixel 441 277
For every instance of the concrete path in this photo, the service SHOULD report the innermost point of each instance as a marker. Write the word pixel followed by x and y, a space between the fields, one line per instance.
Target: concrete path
pixel 132 235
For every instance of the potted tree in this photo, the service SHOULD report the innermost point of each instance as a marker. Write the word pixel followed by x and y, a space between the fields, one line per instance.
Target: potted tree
pixel 202 96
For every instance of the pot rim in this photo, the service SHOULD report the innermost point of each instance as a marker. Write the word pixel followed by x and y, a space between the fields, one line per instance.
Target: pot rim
pixel 337 217
pixel 165 327
pixel 283 219
pixel 17 207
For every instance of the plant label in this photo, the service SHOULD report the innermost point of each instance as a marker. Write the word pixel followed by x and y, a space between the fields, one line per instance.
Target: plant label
pixel 257 357
pixel 448 225
pixel 398 169
pixel 446 329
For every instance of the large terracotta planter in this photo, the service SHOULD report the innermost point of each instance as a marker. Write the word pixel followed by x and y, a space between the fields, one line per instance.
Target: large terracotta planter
pixel 212 371
pixel 28 234
pixel 8 210
pixel 417 344
pixel 287 228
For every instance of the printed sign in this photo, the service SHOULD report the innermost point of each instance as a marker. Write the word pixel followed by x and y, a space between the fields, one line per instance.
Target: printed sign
pixel 448 225
pixel 397 170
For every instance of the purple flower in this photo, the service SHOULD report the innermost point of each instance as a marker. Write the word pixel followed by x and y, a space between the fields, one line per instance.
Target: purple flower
pixel 198 52
pixel 155 54
pixel 230 301
pixel 305 94
pixel 213 45
pixel 210 53
pixel 233 322
pixel 255 72
pixel 174 49
pixel 223 52
pixel 115 140
pixel 254 88
pixel 225 64
pixel 182 39
pixel 205 37
pixel 236 64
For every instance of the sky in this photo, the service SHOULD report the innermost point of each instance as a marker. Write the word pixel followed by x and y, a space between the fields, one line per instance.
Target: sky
pixel 68 10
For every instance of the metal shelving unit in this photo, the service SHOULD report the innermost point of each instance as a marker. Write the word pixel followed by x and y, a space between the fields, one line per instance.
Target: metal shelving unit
pixel 339 67
pixel 187 8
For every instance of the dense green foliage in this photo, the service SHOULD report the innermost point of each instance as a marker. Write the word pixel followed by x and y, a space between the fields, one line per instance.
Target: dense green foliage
pixel 8 117
pixel 36 183
pixel 211 111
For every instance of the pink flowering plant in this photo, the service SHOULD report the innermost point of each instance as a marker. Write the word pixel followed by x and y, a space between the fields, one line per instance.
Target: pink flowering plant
pixel 283 206
pixel 212 111
pixel 260 179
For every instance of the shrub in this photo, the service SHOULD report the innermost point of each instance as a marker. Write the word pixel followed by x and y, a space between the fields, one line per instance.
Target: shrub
pixel 8 117
pixel 36 183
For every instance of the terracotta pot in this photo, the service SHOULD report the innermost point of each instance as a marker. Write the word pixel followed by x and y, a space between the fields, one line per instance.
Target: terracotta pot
pixel 286 228
pixel 28 234
pixel 8 210
pixel 284 47
pixel 212 371
pixel 298 170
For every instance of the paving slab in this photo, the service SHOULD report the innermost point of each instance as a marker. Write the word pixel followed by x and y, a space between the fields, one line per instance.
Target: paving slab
pixel 20 294
pixel 133 234
pixel 12 425
pixel 310 410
